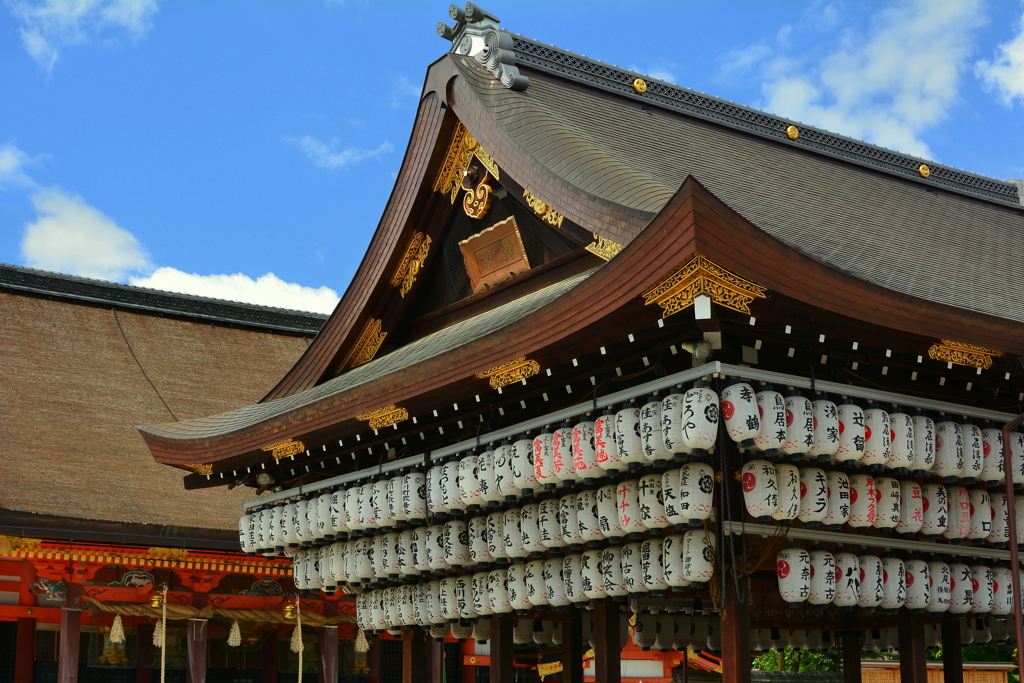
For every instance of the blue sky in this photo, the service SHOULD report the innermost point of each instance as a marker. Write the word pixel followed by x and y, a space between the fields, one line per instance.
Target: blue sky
pixel 246 149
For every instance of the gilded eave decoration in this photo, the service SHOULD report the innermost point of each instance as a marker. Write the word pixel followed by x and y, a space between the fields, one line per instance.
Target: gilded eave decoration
pixel 205 469
pixel 604 247
pixel 461 152
pixel 284 449
pixel 543 210
pixel 698 275
pixel 384 417
pixel 412 261
pixel 511 372
pixel 960 353
pixel 366 346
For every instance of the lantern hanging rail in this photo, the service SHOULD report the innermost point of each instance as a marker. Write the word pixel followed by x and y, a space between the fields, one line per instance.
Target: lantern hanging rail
pixel 714 368
pixel 889 543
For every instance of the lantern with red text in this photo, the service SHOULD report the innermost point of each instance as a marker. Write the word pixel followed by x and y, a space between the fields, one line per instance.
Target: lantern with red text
pixel 793 570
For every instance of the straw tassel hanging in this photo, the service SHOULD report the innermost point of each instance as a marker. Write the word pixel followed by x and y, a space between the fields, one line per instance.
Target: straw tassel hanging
pixel 296 645
pixel 117 630
pixel 361 644
pixel 235 637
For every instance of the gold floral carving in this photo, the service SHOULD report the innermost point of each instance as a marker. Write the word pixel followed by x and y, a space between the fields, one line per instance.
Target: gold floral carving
pixel 384 417
pixel 479 194
pixel 698 275
pixel 543 210
pixel 603 247
pixel 283 449
pixel 201 468
pixel 168 553
pixel 415 254
pixel 510 372
pixel 960 353
pixel 366 346
pixel 461 151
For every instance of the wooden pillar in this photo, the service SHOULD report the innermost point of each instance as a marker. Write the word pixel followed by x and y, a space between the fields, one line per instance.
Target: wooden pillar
pixel 502 658
pixel 735 630
pixel 572 648
pixel 913 658
pixel 952 655
pixel 25 650
pixel 144 658
pixel 414 657
pixel 269 658
pixel 607 667
pixel 435 653
pixel 195 637
pixel 70 636
pixel 851 657
pixel 328 669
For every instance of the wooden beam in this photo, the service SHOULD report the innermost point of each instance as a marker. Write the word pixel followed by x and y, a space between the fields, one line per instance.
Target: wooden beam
pixel 502 655
pixel 607 666
pixel 952 655
pixel 414 657
pixel 735 629
pixel 70 635
pixel 913 658
pixel 572 648
pixel 25 650
pixel 851 657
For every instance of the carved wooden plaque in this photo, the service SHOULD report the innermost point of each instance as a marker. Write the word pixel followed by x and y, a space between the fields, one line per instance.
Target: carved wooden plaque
pixel 494 255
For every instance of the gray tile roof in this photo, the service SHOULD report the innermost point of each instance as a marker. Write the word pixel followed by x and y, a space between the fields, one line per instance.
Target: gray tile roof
pixel 909 237
pixel 431 346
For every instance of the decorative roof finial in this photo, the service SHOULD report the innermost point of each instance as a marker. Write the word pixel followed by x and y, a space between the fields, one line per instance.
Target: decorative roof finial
pixel 476 34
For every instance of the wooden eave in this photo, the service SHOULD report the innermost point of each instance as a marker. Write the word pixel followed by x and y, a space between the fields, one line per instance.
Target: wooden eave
pixel 591 314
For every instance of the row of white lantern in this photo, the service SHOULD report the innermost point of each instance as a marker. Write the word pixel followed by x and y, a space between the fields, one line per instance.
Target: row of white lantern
pixel 679 496
pixel 762 639
pixel 651 566
pixel 843 579
pixel 782 491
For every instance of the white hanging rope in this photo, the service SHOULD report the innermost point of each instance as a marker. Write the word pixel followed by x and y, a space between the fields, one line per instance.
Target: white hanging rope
pixel 296 644
pixel 163 639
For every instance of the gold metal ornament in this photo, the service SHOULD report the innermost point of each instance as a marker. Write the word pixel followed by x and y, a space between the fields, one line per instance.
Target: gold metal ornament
pixel 603 247
pixel 384 417
pixel 479 195
pixel 201 468
pixel 415 254
pixel 677 289
pixel 462 149
pixel 284 449
pixel 640 85
pixel 365 348
pixel 960 353
pixel 288 611
pixel 924 170
pixel 510 372
pixel 792 132
pixel 156 600
pixel 543 210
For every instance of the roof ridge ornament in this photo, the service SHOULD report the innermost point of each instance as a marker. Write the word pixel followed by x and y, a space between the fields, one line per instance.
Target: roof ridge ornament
pixel 961 353
pixel 476 34
pixel 698 274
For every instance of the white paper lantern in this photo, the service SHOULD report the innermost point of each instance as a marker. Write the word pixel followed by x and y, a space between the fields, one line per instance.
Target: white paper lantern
pixel 529 527
pixel 248 533
pixel 587 519
pixel 871 582
pixel 935 504
pixel 652 506
pixel 584 451
pixel 992 470
pixel 481 596
pixel 674 561
pixel 949 450
pixel 760 489
pixel 561 453
pixel 980 632
pixel 608 513
pixel 863 503
pixel 894 588
pixel 877 436
pixel 960 588
pixel 394 554
pixel 813 496
pixel 611 568
pixel 700 416
pixel 451 490
pixel 627 437
pixel 548 524
pixel 481 631
pixel 456 544
pixel 652 437
pixel 567 519
pixel 433 543
pixel 739 410
pixel 629 508
pixel 887 505
pixel 512 530
pixel 1017 457
pixel 504 472
pixel 788 478
pixel 665 629
pixel 823 576
pixel 606 452
pixel 592 573
pixel 543 461
pixel 339 523
pixel 924 443
pixel 381 508
pixel 852 432
pixel 496 537
pixel 543 632
pixel 959 524
pixel 911 508
pixel 696 491
pixel 1018 506
pixel 518 593
pixel 380 557
pixel 1000 531
pixel 324 527
pixel 793 570
pixel 645 631
pixel 435 496
pixel 523 472
pixel 488 472
pixel 901 441
pixel 698 556
pixel 980 514
pixel 479 552
pixel 469 482
pixel 536 590
pixel 632 569
pixel 1002 591
pixel 981 589
pixel 301 520
pixel 1000 630
pixel 825 415
pixel 940 582
pixel 563 577
pixel 838 499
pixel 974 452
pixel 414 496
pixel 497 591
pixel 771 407
pixel 407 548
pixel 672 422
pixel 799 424
pixel 917 580
pixel 652 564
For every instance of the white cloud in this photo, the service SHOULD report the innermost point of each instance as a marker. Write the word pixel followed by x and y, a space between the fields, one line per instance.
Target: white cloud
pixel 267 290
pixel 1005 73
pixel 12 161
pixel 886 85
pixel 51 24
pixel 327 154
pixel 661 72
pixel 70 236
